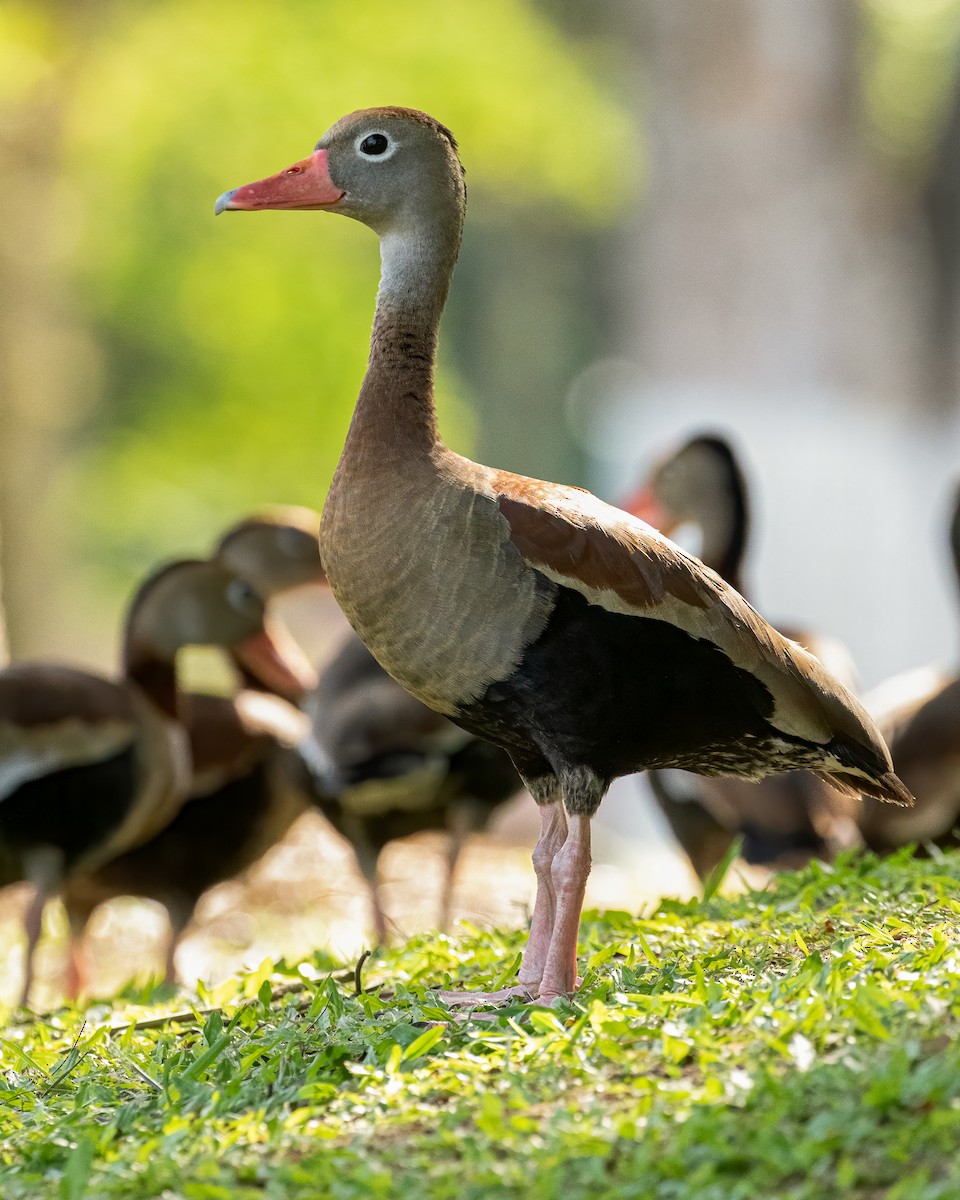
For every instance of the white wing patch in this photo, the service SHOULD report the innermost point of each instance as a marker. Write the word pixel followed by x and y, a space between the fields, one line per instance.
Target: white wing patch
pixel 30 752
pixel 261 713
pixel 896 698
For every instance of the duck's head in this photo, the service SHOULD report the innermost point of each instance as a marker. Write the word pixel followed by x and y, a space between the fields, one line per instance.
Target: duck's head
pixel 204 603
pixel 276 550
pixel 694 483
pixel 394 169
pixel 702 484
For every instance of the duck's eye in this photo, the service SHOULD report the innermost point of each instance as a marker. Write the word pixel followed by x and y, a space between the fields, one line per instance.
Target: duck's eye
pixel 242 597
pixel 374 144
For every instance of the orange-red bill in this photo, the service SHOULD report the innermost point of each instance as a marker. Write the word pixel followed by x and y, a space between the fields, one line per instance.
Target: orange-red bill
pixel 275 660
pixel 305 185
pixel 642 503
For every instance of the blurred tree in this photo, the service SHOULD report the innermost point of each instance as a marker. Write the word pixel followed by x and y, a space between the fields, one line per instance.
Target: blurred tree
pixel 41 355
pixel 782 288
pixel 232 361
pixel 769 215
pixel 225 364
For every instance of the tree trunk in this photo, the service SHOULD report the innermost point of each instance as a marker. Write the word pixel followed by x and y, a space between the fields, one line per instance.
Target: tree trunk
pixel 779 289
pixel 40 388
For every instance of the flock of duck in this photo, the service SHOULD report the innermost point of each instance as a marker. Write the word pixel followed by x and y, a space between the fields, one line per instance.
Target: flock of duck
pixel 508 632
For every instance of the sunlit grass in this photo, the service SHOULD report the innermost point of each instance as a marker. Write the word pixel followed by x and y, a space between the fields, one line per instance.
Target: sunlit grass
pixel 796 1044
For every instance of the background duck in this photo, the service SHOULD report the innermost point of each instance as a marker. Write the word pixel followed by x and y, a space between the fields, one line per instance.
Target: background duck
pixel 919 713
pixel 90 767
pixel 242 798
pixel 383 766
pixel 377 763
pixel 786 819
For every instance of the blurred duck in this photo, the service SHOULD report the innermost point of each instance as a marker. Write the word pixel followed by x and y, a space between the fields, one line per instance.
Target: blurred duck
pixel 242 797
pixel 919 713
pixel 277 550
pixel 784 819
pixel 241 802
pixel 383 766
pixel 90 767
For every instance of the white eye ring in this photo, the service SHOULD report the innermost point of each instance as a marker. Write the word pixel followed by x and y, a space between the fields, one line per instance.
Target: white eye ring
pixel 242 597
pixel 375 158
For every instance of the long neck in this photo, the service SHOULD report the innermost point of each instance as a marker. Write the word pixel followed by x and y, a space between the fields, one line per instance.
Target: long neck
pixel 725 534
pixel 395 414
pixel 153 673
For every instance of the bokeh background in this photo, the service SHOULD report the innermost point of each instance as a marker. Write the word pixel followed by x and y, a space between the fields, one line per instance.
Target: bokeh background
pixel 742 217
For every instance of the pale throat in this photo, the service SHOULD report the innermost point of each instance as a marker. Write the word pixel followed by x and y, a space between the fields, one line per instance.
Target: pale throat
pixel 416 264
pixel 395 410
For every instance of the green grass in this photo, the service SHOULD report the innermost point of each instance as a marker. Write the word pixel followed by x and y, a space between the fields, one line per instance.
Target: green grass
pixel 799 1044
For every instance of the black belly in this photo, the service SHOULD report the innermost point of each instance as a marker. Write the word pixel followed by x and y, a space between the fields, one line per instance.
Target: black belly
pixel 75 810
pixel 618 694
pixel 211 839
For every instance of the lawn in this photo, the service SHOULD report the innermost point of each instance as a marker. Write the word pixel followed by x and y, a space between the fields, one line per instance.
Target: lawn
pixel 794 1043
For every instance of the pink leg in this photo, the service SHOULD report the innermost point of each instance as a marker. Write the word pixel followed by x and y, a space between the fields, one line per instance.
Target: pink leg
pixel 571 868
pixel 180 910
pixel 381 932
pixel 170 961
pixel 553 834
pixel 77 973
pixel 367 859
pixel 553 831
pixel 44 869
pixel 32 923
pixel 462 822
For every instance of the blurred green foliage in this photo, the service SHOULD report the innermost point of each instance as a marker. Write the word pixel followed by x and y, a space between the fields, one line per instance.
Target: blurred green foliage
pixel 232 350
pixel 227 355
pixel 909 68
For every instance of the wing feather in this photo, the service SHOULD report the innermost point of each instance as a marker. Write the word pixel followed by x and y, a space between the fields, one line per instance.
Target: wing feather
pixel 619 562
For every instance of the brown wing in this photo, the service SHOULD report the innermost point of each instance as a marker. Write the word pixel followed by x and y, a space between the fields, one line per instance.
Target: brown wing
pixel 623 565
pixel 54 717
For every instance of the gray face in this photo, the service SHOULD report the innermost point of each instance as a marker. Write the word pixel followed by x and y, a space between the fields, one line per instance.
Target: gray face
pixel 693 484
pixel 396 171
pixel 198 604
pixel 275 558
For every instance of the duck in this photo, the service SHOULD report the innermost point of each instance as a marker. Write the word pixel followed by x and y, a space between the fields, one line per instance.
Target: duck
pixel 242 800
pixel 243 795
pixel 784 820
pixel 919 713
pixel 380 765
pixel 90 766
pixel 566 631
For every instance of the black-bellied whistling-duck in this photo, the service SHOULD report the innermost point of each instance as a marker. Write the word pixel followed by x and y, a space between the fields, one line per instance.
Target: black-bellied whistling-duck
pixel 384 766
pixel 919 713
pixel 533 614
pixel 90 767
pixel 784 819
pixel 242 798
pixel 277 550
